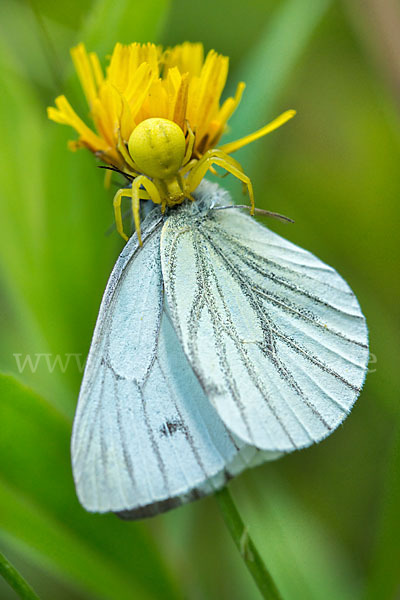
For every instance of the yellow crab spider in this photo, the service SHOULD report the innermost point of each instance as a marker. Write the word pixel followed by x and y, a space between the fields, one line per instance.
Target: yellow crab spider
pixel 163 170
pixel 158 151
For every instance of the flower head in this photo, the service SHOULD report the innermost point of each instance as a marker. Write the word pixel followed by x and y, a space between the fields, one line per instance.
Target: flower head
pixel 143 81
pixel 158 118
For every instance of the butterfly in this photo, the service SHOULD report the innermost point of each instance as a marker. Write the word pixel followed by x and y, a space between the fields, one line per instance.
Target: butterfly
pixel 219 345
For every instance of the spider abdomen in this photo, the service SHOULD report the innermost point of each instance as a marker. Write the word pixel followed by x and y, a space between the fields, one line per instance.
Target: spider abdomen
pixel 157 146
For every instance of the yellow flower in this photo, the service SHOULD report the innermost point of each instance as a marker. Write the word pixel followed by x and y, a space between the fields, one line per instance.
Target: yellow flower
pixel 141 82
pixel 153 106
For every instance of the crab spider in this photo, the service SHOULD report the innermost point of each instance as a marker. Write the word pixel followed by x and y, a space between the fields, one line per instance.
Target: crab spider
pixel 163 170
pixel 162 167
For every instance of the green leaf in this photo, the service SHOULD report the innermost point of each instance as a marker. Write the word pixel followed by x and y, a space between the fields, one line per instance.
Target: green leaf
pixel 39 509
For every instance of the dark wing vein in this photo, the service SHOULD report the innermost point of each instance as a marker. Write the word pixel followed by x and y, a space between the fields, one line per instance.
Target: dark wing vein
pixel 263 318
pixel 253 260
pixel 277 301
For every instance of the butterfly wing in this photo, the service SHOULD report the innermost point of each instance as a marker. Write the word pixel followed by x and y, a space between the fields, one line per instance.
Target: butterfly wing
pixel 145 437
pixel 275 336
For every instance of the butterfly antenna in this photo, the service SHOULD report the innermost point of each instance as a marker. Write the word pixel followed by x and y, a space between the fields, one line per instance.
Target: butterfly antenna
pixel 258 211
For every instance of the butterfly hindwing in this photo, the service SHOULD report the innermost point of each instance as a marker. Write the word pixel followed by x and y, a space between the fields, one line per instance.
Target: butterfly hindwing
pixel 145 436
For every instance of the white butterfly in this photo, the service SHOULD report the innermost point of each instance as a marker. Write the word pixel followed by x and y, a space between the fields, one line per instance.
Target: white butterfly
pixel 218 345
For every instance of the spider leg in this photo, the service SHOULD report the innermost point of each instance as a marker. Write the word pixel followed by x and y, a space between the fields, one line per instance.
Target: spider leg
pixel 189 149
pixel 107 179
pixel 136 193
pixel 204 164
pixel 183 185
pixel 221 154
pixel 216 152
pixel 126 156
pixel 213 152
pixel 215 172
pixel 188 167
pixel 232 161
pixel 123 193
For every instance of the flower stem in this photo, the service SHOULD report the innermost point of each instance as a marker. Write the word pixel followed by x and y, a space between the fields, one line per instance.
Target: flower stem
pixel 15 580
pixel 246 547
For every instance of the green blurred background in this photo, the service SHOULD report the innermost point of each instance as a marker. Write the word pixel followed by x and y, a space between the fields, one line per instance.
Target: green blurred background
pixel 326 518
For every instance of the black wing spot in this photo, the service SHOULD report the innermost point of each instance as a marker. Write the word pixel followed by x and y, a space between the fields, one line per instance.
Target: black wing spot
pixel 169 428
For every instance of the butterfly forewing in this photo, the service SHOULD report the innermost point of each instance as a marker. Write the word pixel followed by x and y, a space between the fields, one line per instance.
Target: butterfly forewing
pixel 275 336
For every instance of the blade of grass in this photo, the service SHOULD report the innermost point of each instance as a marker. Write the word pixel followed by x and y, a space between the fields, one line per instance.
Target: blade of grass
pixel 15 580
pixel 246 546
